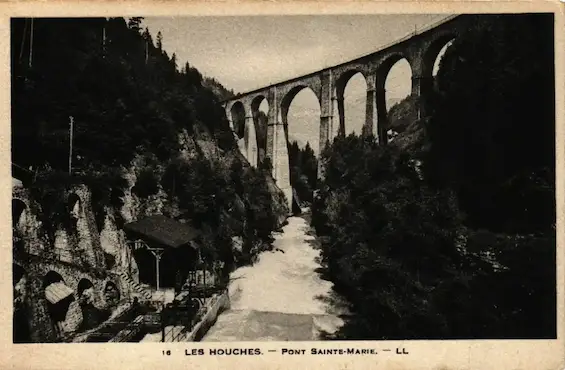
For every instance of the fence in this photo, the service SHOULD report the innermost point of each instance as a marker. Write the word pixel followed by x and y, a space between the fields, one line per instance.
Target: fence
pixel 177 320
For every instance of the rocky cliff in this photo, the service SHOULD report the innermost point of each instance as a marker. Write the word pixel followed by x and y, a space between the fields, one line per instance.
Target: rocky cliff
pixel 85 240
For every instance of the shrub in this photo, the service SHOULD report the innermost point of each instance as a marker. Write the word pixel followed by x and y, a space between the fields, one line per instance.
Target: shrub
pixel 146 184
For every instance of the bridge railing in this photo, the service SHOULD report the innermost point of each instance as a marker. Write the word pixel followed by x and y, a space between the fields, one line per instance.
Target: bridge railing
pixel 408 36
pixel 417 32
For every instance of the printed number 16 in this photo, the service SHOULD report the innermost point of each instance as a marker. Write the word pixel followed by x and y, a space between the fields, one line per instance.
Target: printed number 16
pixel 167 352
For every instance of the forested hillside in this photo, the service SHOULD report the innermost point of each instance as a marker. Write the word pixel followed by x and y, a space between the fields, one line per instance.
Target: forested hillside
pixel 143 129
pixel 125 93
pixel 217 88
pixel 449 231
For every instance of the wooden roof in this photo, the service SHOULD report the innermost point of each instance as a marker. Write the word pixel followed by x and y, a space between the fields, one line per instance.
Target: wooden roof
pixel 163 230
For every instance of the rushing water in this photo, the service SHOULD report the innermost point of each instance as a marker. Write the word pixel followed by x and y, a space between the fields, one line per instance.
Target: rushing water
pixel 282 296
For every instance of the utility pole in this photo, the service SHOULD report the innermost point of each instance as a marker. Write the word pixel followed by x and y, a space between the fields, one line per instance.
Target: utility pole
pixel 71 120
pixel 24 35
pixel 30 43
pixel 157 253
pixel 146 52
pixel 104 37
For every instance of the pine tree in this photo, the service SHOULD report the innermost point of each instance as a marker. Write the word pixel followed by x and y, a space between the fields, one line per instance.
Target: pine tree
pixel 134 23
pixel 159 41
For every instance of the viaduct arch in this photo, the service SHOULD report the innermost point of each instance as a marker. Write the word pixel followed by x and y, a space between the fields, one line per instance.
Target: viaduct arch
pixel 420 50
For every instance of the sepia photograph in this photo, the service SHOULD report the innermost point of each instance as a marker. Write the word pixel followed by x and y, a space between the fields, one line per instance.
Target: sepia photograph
pixel 260 178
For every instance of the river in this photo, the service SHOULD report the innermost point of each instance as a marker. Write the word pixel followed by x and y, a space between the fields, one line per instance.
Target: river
pixel 282 296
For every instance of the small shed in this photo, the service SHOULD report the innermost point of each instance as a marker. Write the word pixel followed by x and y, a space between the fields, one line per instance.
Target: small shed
pixel 173 244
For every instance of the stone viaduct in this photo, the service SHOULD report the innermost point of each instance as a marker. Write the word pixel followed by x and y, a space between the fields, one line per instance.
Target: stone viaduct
pixel 77 254
pixel 420 50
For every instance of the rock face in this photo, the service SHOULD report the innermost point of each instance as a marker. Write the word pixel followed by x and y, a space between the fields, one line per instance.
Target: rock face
pixel 84 258
pixel 48 270
pixel 280 204
pixel 113 242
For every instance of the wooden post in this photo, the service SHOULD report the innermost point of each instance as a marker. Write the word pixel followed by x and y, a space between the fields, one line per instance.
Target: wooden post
pixel 157 253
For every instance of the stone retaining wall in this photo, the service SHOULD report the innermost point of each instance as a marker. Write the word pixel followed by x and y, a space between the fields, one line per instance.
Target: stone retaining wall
pixel 208 320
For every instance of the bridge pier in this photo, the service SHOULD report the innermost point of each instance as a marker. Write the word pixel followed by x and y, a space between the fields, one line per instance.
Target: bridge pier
pixel 341 111
pixel 251 141
pixel 382 115
pixel 277 149
pixel 325 134
pixel 281 163
pixel 334 119
pixel 370 103
pixel 422 60
pixel 271 129
pixel 422 85
pixel 326 116
pixel 277 152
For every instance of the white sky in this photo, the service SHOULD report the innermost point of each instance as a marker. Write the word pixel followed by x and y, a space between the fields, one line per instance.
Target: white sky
pixel 248 52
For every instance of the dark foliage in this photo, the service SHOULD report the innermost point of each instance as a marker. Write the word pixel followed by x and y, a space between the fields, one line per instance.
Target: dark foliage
pixel 303 170
pixel 125 94
pixel 128 99
pixel 147 184
pixel 493 130
pixel 466 247
pixel 52 190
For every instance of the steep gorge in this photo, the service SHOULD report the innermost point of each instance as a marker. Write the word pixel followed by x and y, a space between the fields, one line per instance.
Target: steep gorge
pixel 148 139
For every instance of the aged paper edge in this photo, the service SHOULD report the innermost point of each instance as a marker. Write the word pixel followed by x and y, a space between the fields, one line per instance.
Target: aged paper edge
pixel 463 354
